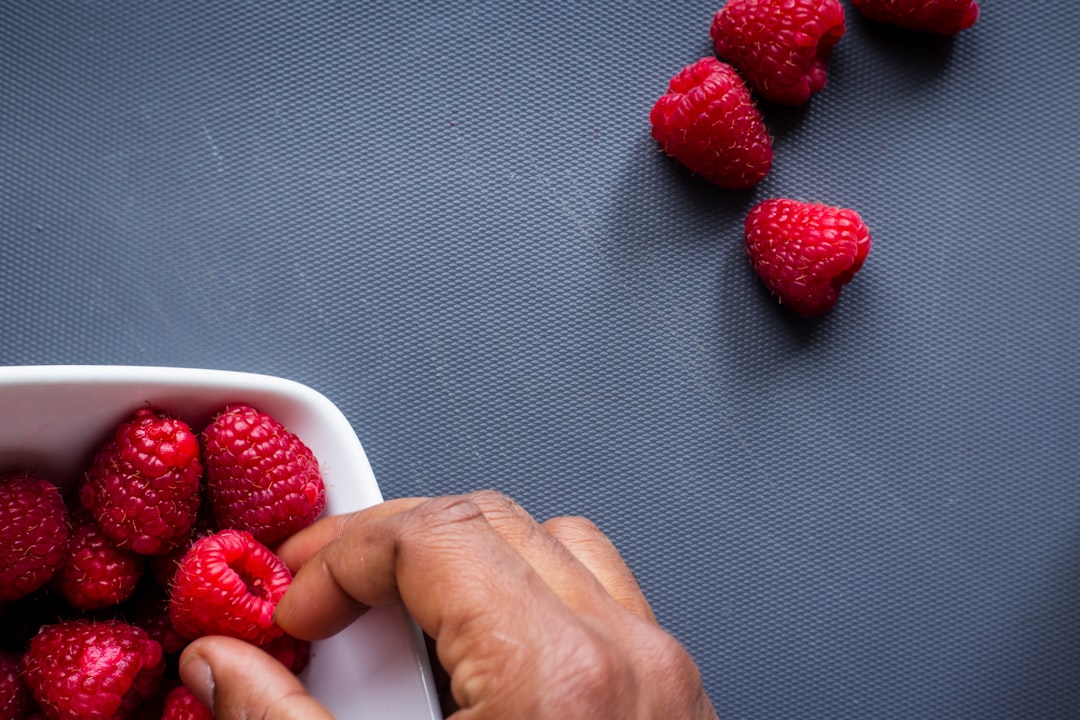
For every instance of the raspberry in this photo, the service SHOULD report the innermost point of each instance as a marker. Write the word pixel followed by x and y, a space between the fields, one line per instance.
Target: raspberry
pixel 708 121
pixel 86 669
pixel 142 484
pixel 781 47
pixel 943 17
pixel 162 567
pixel 96 573
pixel 261 477
pixel 15 700
pixel 228 584
pixel 181 704
pixel 149 610
pixel 805 252
pixel 291 652
pixel 33 533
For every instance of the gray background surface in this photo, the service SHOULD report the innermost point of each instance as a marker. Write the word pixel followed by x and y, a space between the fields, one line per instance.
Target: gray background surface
pixel 450 218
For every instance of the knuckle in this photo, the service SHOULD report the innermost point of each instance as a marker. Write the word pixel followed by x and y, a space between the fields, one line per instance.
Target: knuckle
pixel 574 525
pixel 577 531
pixel 595 672
pixel 495 504
pixel 508 518
pixel 675 674
pixel 671 658
pixel 583 524
pixel 445 522
pixel 449 510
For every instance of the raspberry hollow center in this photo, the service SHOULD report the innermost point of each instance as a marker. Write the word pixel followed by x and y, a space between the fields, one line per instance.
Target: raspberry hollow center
pixel 254 571
pixel 254 584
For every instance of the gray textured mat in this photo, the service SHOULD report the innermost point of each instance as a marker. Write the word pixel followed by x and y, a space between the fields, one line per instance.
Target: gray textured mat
pixel 450 218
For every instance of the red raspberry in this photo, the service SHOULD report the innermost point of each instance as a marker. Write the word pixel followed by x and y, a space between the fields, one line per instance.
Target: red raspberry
pixel 181 704
pixel 15 700
pixel 781 47
pixel 96 573
pixel 261 478
pixel 805 252
pixel 708 121
pixel 228 584
pixel 33 533
pixel 149 610
pixel 943 17
pixel 291 652
pixel 152 707
pixel 86 669
pixel 142 485
pixel 162 567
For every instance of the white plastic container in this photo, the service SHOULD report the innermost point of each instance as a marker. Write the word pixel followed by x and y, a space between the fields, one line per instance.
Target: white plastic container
pixel 52 418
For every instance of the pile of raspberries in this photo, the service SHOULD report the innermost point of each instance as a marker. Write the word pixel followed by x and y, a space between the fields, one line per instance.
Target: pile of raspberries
pixel 167 537
pixel 778 51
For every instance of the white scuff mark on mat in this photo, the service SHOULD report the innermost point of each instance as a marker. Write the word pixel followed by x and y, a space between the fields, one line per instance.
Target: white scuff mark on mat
pixel 212 144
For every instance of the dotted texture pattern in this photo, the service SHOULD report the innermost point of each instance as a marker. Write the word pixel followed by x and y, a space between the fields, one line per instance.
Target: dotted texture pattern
pixel 450 218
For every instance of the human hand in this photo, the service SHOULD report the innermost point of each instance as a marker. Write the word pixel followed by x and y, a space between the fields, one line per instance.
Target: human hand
pixel 530 620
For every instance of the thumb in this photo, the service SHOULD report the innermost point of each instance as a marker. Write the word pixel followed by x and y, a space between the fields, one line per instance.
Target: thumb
pixel 236 680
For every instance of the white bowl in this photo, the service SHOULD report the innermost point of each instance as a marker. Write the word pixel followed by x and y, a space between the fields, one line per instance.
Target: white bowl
pixel 53 417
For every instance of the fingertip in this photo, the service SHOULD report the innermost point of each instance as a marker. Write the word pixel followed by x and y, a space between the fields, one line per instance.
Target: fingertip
pixel 196 673
pixel 238 680
pixel 315 606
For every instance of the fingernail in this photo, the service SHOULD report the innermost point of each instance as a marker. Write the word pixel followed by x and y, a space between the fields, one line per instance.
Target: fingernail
pixel 197 675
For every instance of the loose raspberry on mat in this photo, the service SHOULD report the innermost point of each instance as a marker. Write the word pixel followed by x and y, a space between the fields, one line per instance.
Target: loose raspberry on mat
pixel 708 121
pixel 96 573
pixel 942 17
pixel 781 47
pixel 87 669
pixel 142 484
pixel 805 252
pixel 260 477
pixel 228 584
pixel 33 533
